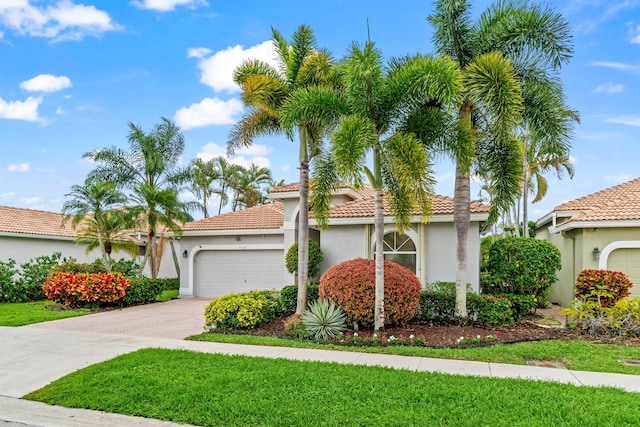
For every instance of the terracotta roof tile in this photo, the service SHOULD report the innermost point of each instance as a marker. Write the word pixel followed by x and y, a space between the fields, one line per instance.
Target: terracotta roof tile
pixel 270 215
pixel 618 203
pixel 29 221
pixel 442 205
pixel 365 191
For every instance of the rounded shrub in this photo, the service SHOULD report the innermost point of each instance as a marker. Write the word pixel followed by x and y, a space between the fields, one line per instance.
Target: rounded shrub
pixel 351 284
pixel 78 289
pixel 315 258
pixel 604 286
pixel 245 310
pixel 521 266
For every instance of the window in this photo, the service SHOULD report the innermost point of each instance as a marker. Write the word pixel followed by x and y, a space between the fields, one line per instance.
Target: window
pixel 401 249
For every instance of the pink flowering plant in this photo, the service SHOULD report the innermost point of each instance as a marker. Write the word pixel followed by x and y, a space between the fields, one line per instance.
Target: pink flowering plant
pixel 480 339
pixel 368 338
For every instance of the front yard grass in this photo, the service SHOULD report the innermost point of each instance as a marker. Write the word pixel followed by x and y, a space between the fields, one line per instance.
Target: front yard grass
pixel 575 354
pixel 25 313
pixel 219 390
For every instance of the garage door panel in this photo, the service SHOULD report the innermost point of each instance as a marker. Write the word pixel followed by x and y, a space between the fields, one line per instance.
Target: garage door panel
pixel 221 273
pixel 627 260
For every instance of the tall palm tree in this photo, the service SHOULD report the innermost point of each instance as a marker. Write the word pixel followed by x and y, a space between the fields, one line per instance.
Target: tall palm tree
pixel 370 114
pixel 203 174
pixel 226 174
pixel 96 208
pixel 509 59
pixel 150 170
pixel 248 186
pixel 264 90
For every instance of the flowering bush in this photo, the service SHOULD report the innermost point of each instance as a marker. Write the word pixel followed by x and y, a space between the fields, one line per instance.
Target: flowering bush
pixel 380 339
pixel 603 286
pixel 478 339
pixel 76 289
pixel 351 284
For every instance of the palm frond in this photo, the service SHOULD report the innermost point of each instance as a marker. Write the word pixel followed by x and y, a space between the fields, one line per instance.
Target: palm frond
pixel 349 146
pixel 255 123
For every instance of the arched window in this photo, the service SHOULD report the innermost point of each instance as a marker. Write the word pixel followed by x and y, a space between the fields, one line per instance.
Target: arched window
pixel 401 249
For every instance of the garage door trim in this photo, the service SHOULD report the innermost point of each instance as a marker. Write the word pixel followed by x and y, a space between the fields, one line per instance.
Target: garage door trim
pixel 200 248
pixel 620 244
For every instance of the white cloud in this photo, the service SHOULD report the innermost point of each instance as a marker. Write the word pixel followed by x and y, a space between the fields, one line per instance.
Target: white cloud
pixel 20 110
pixel 634 33
pixel 618 66
pixel 46 83
pixel 22 167
pixel 60 111
pixel 211 150
pixel 609 87
pixel 62 21
pixel 167 5
pixel 9 194
pixel 285 168
pixel 31 200
pixel 209 111
pixel 217 69
pixel 627 119
pixel 255 150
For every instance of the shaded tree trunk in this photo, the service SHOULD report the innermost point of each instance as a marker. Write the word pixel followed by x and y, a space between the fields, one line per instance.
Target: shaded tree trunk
pixel 303 224
pixel 461 218
pixel 379 236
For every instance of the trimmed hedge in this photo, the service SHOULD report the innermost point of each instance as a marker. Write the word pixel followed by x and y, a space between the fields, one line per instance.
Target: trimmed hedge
pixel 242 311
pixel 289 296
pixel 141 291
pixel 77 289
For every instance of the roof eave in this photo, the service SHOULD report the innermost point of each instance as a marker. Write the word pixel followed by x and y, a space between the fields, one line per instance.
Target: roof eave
pixel 572 225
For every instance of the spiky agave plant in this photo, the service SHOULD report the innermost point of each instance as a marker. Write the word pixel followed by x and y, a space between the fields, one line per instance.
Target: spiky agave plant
pixel 324 320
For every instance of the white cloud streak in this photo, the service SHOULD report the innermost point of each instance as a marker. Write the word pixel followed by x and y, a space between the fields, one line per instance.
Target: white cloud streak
pixel 22 167
pixel 167 5
pixel 20 110
pixel 209 111
pixel 627 119
pixel 244 158
pixel 62 21
pixel 627 68
pixel 46 83
pixel 609 87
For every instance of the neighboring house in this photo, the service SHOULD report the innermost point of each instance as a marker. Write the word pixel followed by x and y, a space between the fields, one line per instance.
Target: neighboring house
pixel 245 250
pixel 28 233
pixel 598 231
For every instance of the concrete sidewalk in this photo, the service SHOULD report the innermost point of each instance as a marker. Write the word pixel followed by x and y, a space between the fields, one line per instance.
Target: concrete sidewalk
pixel 33 356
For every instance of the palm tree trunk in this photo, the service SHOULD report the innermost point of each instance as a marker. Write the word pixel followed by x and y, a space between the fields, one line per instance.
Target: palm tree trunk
pixel 303 224
pixel 379 237
pixel 525 191
pixel 461 220
pixel 105 259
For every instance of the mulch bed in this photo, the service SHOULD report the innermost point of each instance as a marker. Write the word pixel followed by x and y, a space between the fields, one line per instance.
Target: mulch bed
pixel 438 334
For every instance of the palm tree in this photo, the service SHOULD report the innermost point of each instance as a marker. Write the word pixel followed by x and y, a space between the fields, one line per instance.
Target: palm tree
pixel 508 58
pixel 203 174
pixel 264 90
pixel 150 171
pixel 96 206
pixel 248 186
pixel 371 114
pixel 226 174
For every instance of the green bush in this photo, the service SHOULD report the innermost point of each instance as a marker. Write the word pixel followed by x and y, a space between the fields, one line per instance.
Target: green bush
pixel 127 267
pixel 168 284
pixel 289 296
pixel 28 286
pixel 619 320
pixel 141 291
pixel 493 310
pixel 351 284
pixel 69 265
pixel 604 286
pixel 245 310
pixel 522 266
pixel 7 282
pixel 315 258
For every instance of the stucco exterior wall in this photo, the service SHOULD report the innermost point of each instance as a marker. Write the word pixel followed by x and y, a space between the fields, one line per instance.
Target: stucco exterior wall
pixel 341 243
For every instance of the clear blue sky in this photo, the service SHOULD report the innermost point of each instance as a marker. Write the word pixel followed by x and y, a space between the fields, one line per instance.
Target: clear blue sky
pixel 73 73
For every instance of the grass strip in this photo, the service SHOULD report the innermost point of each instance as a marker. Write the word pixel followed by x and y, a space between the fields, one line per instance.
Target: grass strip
pixel 26 313
pixel 218 390
pixel 575 354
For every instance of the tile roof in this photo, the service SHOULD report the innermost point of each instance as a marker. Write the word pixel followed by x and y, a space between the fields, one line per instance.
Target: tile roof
pixel 618 203
pixel 270 215
pixel 442 205
pixel 365 191
pixel 29 221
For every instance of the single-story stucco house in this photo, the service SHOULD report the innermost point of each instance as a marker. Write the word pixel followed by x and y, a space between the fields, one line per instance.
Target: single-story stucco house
pixel 597 231
pixel 245 250
pixel 27 233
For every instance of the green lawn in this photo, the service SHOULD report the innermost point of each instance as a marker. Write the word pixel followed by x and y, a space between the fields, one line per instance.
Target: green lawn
pixel 218 390
pixel 168 295
pixel 25 313
pixel 576 354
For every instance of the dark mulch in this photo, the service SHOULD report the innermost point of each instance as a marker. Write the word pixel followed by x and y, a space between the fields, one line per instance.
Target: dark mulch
pixel 438 334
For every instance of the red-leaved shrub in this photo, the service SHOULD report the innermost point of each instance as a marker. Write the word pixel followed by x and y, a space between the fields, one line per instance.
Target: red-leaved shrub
pixel 73 289
pixel 351 284
pixel 606 285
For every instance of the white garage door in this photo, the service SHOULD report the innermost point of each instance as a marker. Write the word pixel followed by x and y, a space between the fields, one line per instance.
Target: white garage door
pixel 226 272
pixel 627 260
